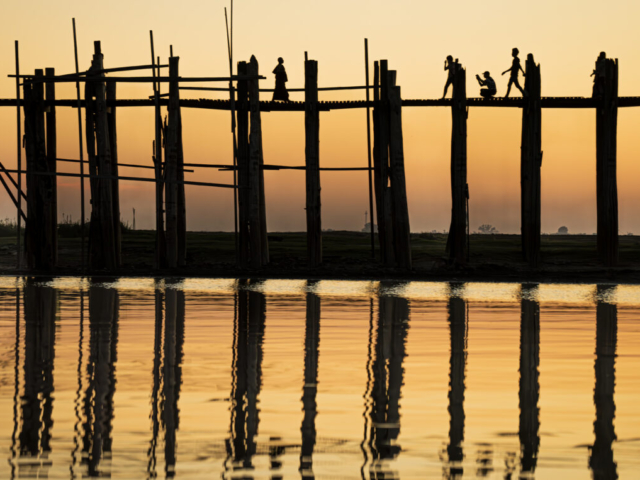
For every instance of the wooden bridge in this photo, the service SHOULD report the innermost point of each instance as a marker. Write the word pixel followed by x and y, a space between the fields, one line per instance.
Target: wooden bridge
pixel 36 99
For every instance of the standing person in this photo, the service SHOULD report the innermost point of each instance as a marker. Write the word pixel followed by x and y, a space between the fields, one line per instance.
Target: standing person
pixel 280 92
pixel 449 64
pixel 489 83
pixel 598 76
pixel 514 69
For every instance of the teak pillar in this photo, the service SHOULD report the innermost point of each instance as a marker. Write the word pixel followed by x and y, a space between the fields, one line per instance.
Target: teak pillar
pixel 312 161
pixel 102 230
pixel 456 242
pixel 174 171
pixel 381 163
pixel 52 156
pixel 39 246
pixel 242 117
pixel 257 210
pixel 115 183
pixel 530 164
pixel 400 208
pixel 606 145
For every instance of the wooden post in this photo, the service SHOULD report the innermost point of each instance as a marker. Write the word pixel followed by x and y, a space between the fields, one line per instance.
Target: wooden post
pixel 103 252
pixel 312 158
pixel 401 227
pixel 606 146
pixel 257 217
pixel 115 183
pixel 381 163
pixel 182 207
pixel 530 164
pixel 456 242
pixel 38 241
pixel 243 166
pixel 171 165
pixel 52 155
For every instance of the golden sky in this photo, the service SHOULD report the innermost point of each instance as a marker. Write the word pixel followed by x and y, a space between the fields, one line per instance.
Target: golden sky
pixel 415 36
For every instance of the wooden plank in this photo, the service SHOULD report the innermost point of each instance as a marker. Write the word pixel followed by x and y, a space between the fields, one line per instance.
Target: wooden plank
pixel 530 163
pixel 171 167
pixel 401 227
pixel 115 184
pixel 244 200
pixel 52 153
pixel 312 161
pixel 606 160
pixel 456 242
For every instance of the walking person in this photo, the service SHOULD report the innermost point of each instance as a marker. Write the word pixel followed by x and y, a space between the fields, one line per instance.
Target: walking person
pixel 514 69
pixel 280 92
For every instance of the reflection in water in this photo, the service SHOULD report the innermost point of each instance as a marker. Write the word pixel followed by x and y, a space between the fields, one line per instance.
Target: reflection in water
pixel 246 378
pixel 310 387
pixel 386 377
pixel 167 376
pixel 458 363
pixel 36 412
pixel 601 459
pixel 529 391
pixel 97 403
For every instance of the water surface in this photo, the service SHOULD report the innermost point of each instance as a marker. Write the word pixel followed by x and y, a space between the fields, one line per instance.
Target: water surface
pixel 218 378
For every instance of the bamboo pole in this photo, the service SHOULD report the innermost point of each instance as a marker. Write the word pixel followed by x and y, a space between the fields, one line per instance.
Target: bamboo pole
pixel 19 154
pixel 456 244
pixel 52 153
pixel 81 153
pixel 401 227
pixel 606 161
pixel 312 157
pixel 370 173
pixel 233 130
pixel 531 160
pixel 157 160
pixel 13 198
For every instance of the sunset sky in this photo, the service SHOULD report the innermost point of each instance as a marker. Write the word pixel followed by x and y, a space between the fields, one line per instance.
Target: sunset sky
pixel 415 36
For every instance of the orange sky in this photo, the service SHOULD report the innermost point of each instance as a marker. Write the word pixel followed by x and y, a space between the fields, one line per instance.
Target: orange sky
pixel 415 36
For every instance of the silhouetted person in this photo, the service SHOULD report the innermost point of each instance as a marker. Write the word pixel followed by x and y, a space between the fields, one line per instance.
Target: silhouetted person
pixel 601 461
pixel 598 75
pixel 449 65
pixel 514 69
pixel 489 84
pixel 280 92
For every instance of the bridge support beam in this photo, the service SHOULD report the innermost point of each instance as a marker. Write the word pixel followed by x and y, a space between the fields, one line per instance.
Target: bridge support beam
pixel 40 225
pixel 312 161
pixel 606 93
pixel 456 242
pixel 530 165
pixel 242 118
pixel 257 209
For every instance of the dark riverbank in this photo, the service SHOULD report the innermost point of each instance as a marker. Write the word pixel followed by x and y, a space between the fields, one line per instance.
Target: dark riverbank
pixel 567 258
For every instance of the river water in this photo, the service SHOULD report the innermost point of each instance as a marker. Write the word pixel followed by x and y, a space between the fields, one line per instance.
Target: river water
pixel 220 378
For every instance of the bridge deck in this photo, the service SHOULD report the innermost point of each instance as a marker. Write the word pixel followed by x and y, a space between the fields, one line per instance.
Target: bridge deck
pixel 267 106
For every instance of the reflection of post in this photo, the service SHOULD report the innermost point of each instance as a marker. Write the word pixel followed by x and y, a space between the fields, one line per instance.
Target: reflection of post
pixel 98 397
pixel 388 377
pixel 458 327
pixel 529 392
pixel 601 459
pixel 246 378
pixel 155 421
pixel 37 400
pixel 173 344
pixel 310 387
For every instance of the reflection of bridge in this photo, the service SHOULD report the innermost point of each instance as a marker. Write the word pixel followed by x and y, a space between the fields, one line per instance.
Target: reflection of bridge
pixel 31 449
